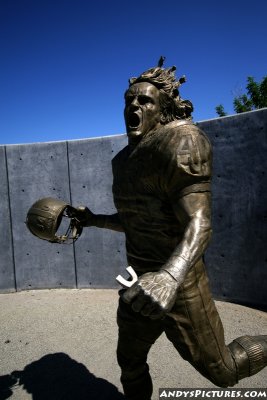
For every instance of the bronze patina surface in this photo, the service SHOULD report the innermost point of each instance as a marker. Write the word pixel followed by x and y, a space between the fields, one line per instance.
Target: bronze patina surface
pixel 162 194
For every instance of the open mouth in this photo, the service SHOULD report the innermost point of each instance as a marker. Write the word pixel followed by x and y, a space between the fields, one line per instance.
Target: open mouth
pixel 134 121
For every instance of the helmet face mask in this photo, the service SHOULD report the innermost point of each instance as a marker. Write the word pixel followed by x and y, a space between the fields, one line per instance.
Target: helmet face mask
pixel 69 228
pixel 47 219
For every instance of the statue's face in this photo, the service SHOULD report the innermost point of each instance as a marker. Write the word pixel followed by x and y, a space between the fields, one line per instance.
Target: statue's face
pixel 142 109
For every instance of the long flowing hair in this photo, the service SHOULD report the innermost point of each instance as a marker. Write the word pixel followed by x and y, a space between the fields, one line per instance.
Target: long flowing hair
pixel 173 107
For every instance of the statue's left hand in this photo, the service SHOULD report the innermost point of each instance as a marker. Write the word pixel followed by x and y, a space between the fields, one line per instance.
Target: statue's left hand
pixel 153 295
pixel 85 216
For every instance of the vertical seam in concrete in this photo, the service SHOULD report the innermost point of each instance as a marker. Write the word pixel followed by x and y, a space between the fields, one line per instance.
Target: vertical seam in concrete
pixel 11 225
pixel 73 244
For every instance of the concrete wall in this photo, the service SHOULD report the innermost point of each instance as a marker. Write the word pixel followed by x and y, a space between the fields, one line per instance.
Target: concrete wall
pixel 80 172
pixel 237 255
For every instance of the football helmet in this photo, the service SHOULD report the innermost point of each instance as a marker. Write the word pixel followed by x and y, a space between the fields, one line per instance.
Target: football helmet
pixel 45 218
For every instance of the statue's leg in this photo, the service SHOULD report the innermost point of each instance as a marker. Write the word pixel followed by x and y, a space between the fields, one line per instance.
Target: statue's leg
pixel 197 333
pixel 136 335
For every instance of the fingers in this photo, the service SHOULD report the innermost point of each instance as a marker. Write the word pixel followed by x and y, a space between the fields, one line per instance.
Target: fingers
pixel 85 216
pixel 157 314
pixel 130 294
pixel 151 310
pixel 81 208
pixel 139 303
pixel 142 304
pixel 147 309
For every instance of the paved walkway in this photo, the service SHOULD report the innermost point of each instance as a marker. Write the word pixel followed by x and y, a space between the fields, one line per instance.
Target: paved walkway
pixel 61 344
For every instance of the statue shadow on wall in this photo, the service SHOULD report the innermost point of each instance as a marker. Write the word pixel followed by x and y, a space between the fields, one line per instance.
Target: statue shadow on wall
pixel 58 377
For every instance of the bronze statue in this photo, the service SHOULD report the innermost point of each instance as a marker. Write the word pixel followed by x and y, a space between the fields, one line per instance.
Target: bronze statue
pixel 162 194
pixel 161 190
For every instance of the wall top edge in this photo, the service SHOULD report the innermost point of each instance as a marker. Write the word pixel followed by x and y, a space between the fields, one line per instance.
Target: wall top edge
pixel 65 141
pixel 124 134
pixel 232 115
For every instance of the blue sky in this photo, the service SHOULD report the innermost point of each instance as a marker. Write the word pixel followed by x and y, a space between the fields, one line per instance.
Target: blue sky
pixel 65 64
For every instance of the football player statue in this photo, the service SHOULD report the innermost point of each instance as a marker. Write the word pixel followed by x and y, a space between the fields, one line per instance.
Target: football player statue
pixel 161 190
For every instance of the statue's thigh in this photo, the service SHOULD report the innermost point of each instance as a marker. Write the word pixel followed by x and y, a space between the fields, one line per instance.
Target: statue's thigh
pixel 136 332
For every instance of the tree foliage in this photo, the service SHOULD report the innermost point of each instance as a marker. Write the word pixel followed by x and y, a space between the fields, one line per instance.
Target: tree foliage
pixel 254 99
pixel 220 110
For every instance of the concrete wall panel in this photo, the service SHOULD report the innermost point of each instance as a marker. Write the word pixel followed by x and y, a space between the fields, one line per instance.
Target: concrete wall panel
pixel 36 171
pixel 237 256
pixel 7 278
pixel 100 254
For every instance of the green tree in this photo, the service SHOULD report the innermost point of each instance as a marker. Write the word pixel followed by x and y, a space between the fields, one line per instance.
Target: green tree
pixel 242 104
pixel 255 98
pixel 220 110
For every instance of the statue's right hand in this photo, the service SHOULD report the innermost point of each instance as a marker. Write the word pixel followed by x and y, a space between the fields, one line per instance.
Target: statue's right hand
pixel 85 216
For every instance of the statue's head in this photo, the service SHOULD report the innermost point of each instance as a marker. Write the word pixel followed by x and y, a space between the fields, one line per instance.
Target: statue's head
pixel 152 100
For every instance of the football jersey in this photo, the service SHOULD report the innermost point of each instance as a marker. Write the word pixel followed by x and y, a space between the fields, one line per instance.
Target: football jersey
pixel 148 179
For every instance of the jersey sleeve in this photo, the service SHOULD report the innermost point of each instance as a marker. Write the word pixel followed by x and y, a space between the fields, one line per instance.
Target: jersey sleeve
pixel 190 164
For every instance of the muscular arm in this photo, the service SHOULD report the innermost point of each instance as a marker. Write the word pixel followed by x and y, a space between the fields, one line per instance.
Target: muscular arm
pixel 194 212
